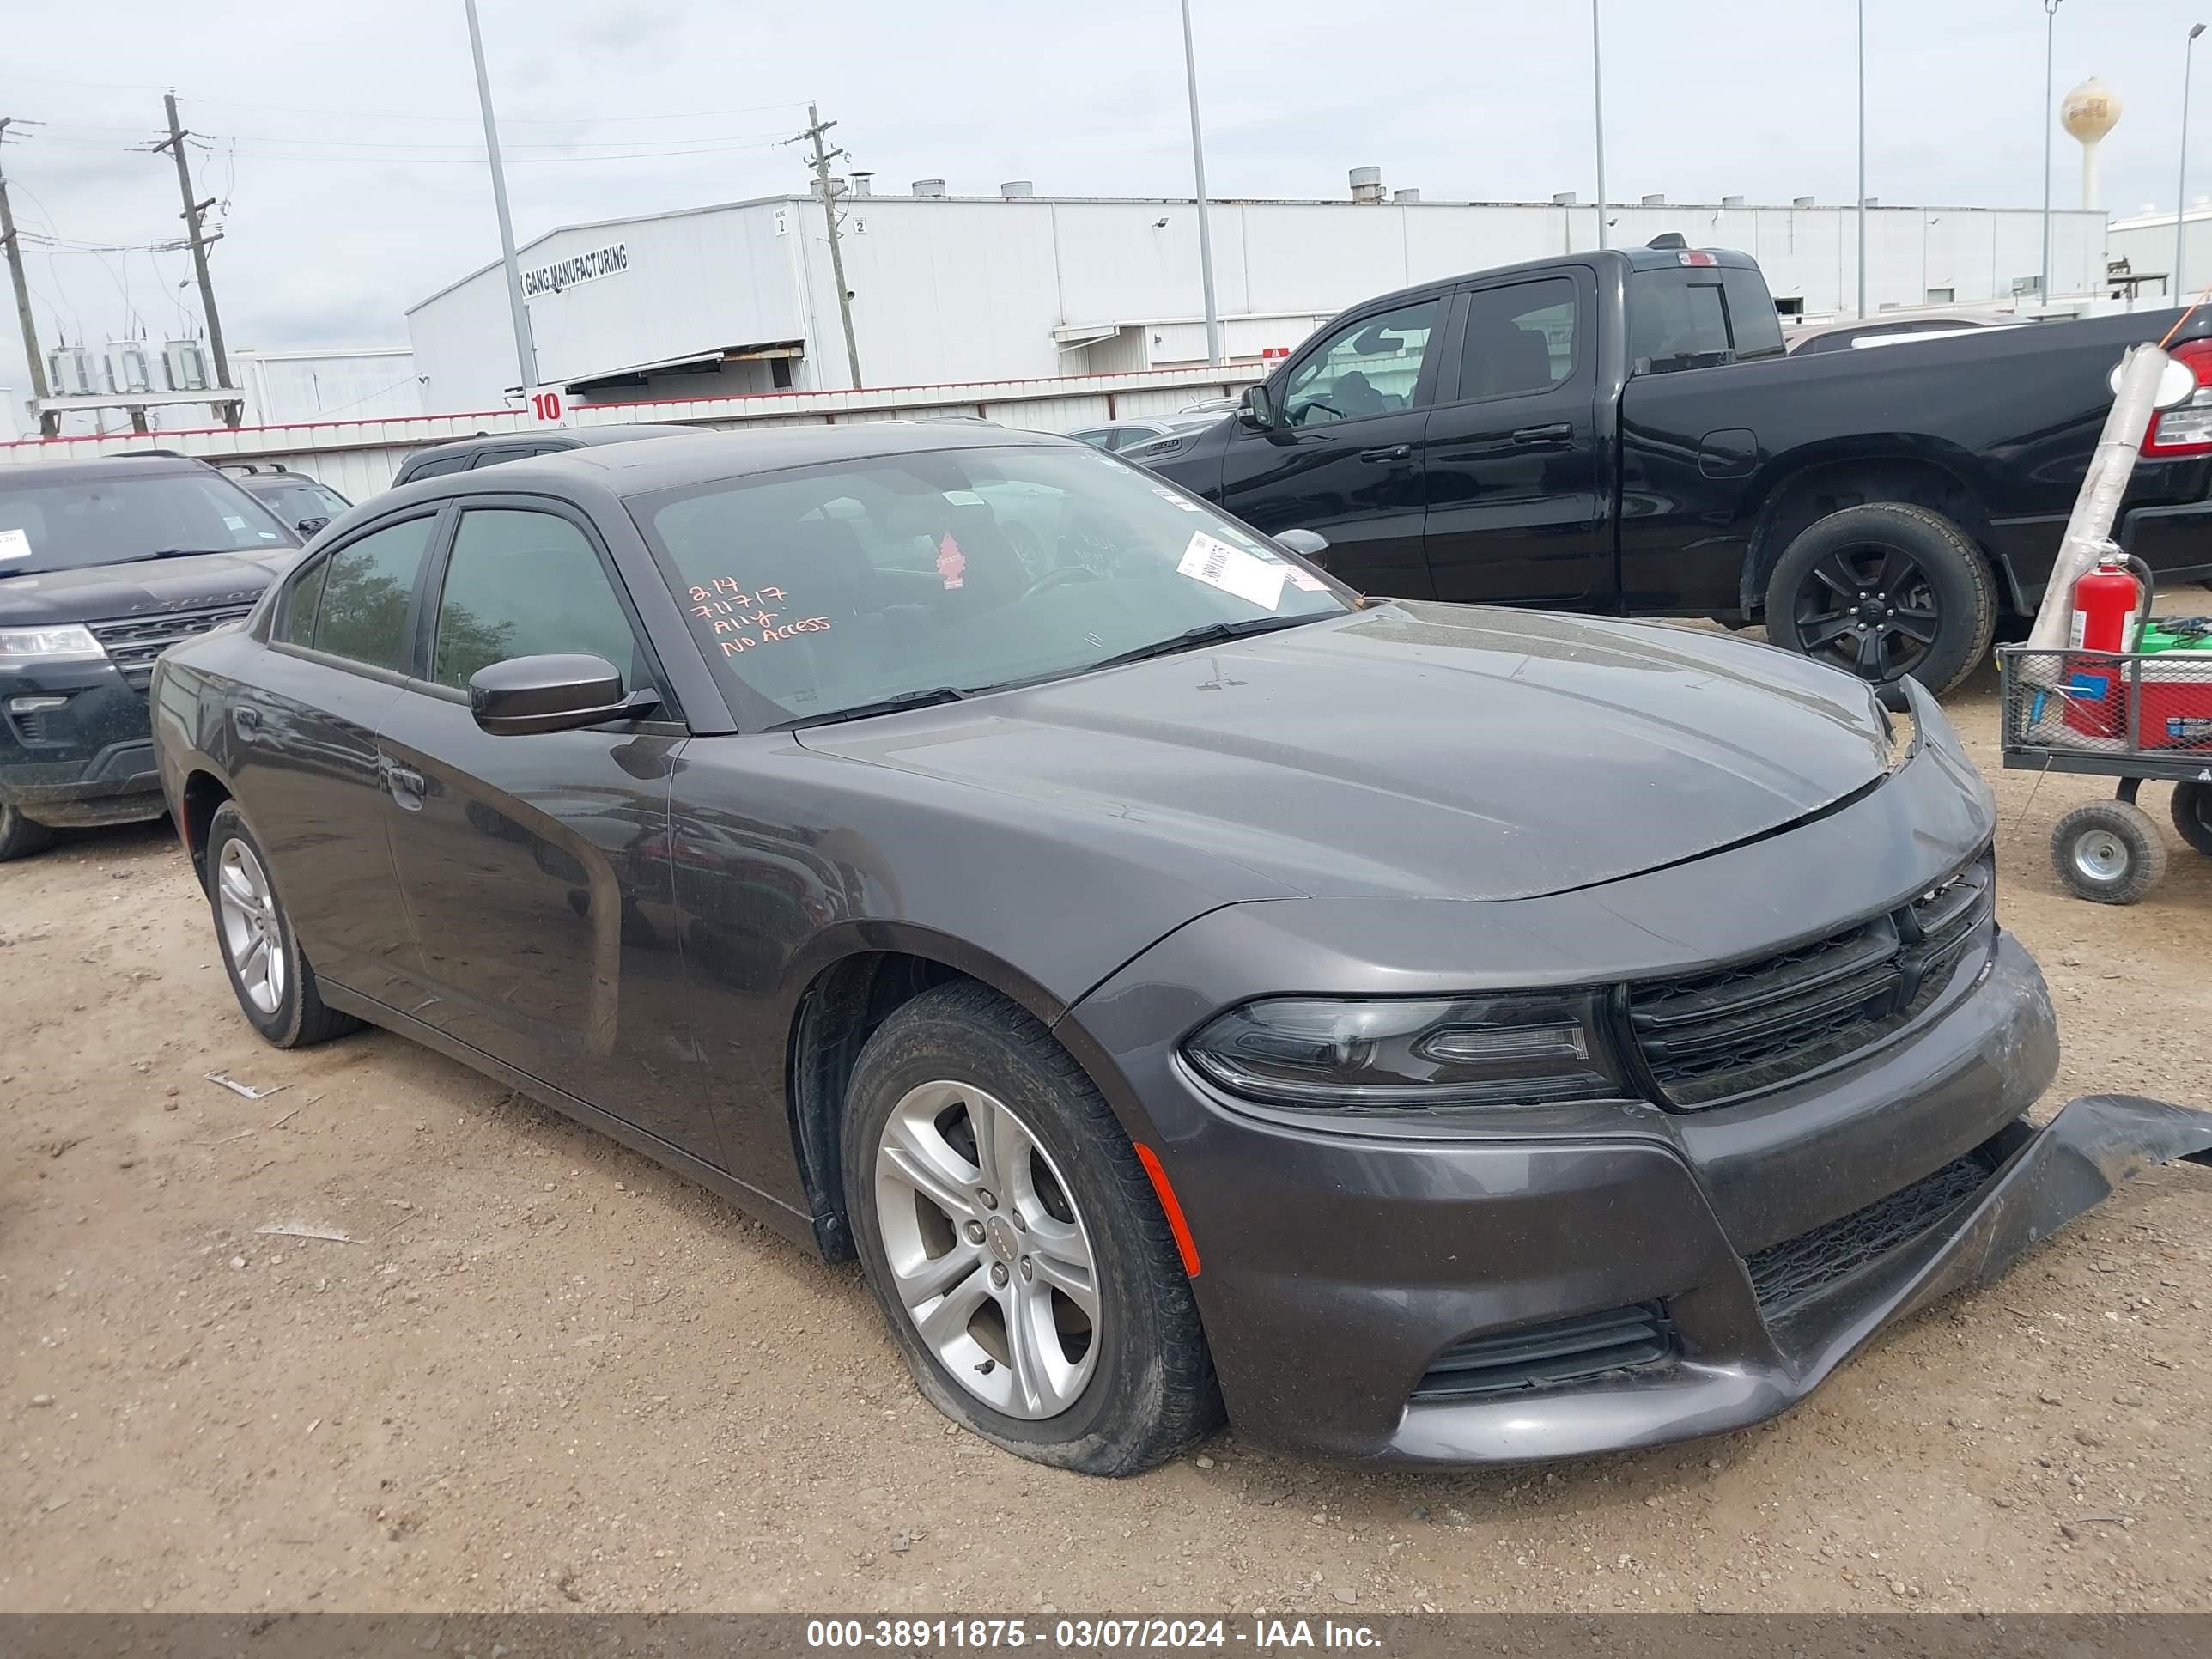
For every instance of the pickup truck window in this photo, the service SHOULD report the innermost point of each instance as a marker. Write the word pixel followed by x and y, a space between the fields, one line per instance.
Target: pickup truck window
pixel 1519 338
pixel 1698 316
pixel 1371 367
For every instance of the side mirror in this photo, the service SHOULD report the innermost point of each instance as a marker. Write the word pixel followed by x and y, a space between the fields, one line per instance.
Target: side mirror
pixel 309 527
pixel 525 694
pixel 1308 545
pixel 1256 410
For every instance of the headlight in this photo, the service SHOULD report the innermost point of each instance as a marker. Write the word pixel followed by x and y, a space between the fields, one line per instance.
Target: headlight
pixel 63 642
pixel 1518 1050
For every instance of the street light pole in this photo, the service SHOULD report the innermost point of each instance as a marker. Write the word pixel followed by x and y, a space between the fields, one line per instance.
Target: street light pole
pixel 1597 111
pixel 526 348
pixel 1862 199
pixel 2181 183
pixel 2049 32
pixel 1198 167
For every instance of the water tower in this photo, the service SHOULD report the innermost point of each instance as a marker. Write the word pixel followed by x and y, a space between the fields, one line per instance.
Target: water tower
pixel 2088 112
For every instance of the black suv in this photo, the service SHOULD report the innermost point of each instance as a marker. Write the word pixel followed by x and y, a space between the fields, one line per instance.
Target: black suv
pixel 305 503
pixel 486 449
pixel 104 564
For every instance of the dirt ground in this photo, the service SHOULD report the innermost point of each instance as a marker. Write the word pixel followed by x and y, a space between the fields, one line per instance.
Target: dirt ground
pixel 553 1376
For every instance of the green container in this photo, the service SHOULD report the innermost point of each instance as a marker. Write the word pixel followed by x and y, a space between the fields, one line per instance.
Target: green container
pixel 2156 638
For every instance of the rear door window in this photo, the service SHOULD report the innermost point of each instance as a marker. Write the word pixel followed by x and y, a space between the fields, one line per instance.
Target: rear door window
pixel 368 592
pixel 1519 338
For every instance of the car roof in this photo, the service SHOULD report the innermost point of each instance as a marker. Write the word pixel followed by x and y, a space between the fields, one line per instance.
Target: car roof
pixel 567 436
pixel 92 470
pixel 709 456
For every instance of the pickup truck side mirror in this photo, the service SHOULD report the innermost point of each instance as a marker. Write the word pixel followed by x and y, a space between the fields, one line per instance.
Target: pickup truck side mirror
pixel 1256 410
pixel 310 526
pixel 1308 545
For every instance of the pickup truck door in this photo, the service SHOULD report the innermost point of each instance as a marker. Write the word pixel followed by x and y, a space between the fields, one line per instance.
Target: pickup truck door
pixel 1345 459
pixel 1518 492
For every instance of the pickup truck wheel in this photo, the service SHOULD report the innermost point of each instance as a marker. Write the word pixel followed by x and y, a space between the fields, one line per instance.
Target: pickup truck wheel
pixel 19 837
pixel 1886 590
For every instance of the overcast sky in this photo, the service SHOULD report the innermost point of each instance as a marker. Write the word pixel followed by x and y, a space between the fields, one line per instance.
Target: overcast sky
pixel 342 139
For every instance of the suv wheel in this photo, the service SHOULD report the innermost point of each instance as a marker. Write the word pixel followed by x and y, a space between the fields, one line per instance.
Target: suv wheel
pixel 19 837
pixel 273 980
pixel 1886 590
pixel 1014 1243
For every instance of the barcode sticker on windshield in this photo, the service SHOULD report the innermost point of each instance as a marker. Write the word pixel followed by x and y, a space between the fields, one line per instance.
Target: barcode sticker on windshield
pixel 14 545
pixel 1210 560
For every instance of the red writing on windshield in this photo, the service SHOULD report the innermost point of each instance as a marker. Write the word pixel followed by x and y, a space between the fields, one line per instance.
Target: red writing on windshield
pixel 724 592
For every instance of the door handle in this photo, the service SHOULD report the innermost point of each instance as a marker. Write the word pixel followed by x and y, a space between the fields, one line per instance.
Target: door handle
pixel 1557 433
pixel 1389 452
pixel 406 787
pixel 246 721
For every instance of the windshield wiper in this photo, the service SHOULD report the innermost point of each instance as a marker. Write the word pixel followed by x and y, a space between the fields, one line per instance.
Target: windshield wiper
pixel 191 552
pixel 1212 633
pixel 860 711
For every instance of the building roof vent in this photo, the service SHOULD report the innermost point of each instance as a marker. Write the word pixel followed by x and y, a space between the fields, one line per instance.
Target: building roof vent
pixel 1655 199
pixel 1801 201
pixel 1015 190
pixel 1367 183
pixel 929 186
pixel 1563 198
pixel 1405 195
pixel 863 182
pixel 1731 201
pixel 1871 200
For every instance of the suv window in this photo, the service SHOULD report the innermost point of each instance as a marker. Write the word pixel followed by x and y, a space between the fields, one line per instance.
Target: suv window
pixel 523 584
pixel 1372 367
pixel 367 586
pixel 1694 316
pixel 1519 338
pixel 495 456
pixel 436 468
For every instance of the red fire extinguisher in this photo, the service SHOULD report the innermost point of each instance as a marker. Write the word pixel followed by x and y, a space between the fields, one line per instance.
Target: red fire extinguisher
pixel 2109 602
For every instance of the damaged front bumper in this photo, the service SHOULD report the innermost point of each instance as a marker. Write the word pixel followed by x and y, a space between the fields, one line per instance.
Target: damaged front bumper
pixel 2039 1180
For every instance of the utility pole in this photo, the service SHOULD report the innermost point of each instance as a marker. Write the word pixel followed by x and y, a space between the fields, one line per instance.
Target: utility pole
pixel 1862 194
pixel 1198 168
pixel 818 130
pixel 1597 115
pixel 175 143
pixel 48 423
pixel 525 344
pixel 2049 120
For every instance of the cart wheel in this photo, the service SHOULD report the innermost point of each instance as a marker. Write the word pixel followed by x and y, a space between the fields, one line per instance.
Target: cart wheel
pixel 2109 852
pixel 2192 814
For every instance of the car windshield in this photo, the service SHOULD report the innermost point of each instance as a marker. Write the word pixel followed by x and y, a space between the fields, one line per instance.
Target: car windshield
pixel 827 588
pixel 116 518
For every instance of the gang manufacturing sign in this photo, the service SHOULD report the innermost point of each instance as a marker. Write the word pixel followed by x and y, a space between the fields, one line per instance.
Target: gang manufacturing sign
pixel 564 274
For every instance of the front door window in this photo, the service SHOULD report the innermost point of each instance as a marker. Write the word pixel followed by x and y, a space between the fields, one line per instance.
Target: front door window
pixel 1370 367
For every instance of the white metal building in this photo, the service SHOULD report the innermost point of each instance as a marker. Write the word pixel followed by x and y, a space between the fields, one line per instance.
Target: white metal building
pixel 2146 242
pixel 364 383
pixel 737 298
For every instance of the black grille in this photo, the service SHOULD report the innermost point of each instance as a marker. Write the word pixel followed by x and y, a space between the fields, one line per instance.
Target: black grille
pixel 1756 1024
pixel 133 643
pixel 1797 1269
pixel 1550 1355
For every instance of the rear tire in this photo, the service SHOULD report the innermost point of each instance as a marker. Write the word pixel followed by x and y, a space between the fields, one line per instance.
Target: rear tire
pixel 19 837
pixel 981 1160
pixel 270 975
pixel 2108 852
pixel 1886 590
pixel 2192 814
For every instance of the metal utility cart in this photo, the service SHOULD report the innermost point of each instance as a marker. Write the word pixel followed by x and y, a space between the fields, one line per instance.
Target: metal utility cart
pixel 2128 715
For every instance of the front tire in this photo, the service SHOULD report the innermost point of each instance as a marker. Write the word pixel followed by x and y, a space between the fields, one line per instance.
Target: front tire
pixel 1014 1243
pixel 19 837
pixel 1886 590
pixel 273 980
pixel 2108 852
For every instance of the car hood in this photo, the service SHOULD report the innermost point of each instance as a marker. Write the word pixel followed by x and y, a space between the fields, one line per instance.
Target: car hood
pixel 142 588
pixel 1417 749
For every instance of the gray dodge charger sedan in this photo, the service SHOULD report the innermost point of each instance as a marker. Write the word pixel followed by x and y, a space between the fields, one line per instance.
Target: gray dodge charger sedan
pixel 1429 1035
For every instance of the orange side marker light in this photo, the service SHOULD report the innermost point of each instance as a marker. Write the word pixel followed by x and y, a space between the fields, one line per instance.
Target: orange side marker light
pixel 1171 1205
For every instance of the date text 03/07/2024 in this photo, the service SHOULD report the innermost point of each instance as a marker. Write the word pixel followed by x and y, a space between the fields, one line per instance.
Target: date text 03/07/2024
pixel 1087 1634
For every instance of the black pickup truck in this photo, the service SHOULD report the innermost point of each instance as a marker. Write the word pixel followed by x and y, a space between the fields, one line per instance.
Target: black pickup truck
pixel 1621 432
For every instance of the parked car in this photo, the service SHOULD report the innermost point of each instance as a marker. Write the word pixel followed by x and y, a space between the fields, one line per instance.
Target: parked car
pixel 1851 332
pixel 103 563
pixel 1620 432
pixel 303 502
pixel 495 449
pixel 1441 1036
pixel 1116 436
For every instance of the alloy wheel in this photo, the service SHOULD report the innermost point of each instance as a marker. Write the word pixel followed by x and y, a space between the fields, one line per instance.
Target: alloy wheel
pixel 988 1254
pixel 1870 607
pixel 251 936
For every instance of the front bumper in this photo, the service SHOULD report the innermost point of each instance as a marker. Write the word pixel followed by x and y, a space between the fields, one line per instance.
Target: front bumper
pixel 90 761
